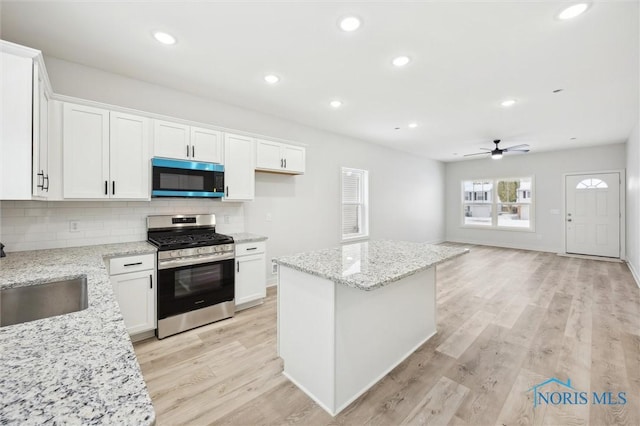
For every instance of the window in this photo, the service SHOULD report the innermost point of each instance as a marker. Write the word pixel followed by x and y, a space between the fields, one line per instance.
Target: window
pixel 498 203
pixel 592 184
pixel 355 203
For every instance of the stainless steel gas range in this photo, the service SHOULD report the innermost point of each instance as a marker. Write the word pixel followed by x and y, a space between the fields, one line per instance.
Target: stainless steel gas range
pixel 195 272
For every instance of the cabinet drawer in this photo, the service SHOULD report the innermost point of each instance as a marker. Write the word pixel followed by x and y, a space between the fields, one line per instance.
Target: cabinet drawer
pixel 121 265
pixel 246 249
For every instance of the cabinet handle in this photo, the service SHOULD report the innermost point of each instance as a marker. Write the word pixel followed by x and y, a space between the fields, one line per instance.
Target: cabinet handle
pixel 150 281
pixel 227 192
pixel 285 163
pixel 252 248
pixel 187 151
pixel 106 188
pixel 133 264
pixel 113 188
pixel 238 267
pixel 281 163
pixel 40 174
pixel 193 151
pixel 46 188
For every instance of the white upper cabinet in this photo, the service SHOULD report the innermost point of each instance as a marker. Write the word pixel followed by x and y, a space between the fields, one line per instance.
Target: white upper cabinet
pixel 294 158
pixel 105 154
pixel 171 140
pixel 182 142
pixel 239 167
pixel 129 156
pixel 206 145
pixel 85 152
pixel 20 121
pixel 278 157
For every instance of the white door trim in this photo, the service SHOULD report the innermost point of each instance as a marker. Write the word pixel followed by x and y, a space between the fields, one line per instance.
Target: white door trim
pixel 623 203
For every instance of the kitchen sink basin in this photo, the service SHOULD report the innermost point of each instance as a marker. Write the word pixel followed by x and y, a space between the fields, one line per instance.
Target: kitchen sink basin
pixel 29 303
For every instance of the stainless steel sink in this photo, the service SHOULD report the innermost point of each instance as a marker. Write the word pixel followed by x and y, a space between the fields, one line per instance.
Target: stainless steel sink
pixel 29 303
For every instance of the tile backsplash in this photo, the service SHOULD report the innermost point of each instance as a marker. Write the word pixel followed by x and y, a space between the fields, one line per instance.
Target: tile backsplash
pixel 32 225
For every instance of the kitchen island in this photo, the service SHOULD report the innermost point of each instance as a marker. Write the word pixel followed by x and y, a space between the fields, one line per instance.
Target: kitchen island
pixel 76 368
pixel 348 315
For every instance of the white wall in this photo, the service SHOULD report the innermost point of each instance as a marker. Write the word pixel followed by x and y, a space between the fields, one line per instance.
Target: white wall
pixel 548 169
pixel 406 193
pixel 633 202
pixel 31 225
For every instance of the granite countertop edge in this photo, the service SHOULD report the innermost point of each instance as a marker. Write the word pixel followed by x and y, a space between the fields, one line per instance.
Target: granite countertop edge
pixel 247 237
pixel 375 283
pixel 74 368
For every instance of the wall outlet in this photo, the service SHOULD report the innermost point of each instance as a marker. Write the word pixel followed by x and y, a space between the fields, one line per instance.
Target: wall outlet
pixel 274 268
pixel 269 217
pixel 226 219
pixel 74 226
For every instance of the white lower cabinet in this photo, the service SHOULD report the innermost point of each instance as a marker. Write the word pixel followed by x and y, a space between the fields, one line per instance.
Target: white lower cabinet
pixel 133 279
pixel 250 278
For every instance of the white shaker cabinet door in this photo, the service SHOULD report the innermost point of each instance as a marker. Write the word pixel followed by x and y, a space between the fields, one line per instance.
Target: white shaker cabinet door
pixel 206 145
pixel 294 158
pixel 269 155
pixel 135 293
pixel 250 279
pixel 85 151
pixel 129 156
pixel 171 140
pixel 239 167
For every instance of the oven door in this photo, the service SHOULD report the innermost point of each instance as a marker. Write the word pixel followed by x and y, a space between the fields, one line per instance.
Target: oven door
pixel 187 288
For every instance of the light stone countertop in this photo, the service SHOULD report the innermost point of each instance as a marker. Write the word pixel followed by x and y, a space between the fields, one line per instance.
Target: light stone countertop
pixel 371 264
pixel 78 368
pixel 246 237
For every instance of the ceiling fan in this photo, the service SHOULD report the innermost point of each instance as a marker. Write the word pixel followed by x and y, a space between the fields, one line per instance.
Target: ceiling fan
pixel 496 153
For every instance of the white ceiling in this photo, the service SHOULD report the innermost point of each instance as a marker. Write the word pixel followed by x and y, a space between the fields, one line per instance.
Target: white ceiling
pixel 467 58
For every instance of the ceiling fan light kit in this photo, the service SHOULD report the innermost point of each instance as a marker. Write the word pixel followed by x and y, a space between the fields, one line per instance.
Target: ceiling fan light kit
pixel 496 153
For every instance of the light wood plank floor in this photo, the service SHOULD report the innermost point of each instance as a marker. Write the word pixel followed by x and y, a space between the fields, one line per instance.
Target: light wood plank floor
pixel 507 319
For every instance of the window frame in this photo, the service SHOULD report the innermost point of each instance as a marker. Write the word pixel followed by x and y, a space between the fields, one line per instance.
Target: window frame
pixel 495 202
pixel 364 203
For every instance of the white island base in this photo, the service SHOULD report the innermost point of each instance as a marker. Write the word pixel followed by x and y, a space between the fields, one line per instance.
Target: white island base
pixel 338 341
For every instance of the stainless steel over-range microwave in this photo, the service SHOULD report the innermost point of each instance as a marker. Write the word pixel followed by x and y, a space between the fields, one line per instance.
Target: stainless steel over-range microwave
pixel 178 178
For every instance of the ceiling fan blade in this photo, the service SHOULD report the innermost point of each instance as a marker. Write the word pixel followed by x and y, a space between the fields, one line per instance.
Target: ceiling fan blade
pixel 524 145
pixel 477 153
pixel 516 150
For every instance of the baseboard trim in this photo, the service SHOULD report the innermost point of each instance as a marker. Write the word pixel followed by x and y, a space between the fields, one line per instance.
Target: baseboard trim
pixel 501 245
pixel 584 256
pixel 634 273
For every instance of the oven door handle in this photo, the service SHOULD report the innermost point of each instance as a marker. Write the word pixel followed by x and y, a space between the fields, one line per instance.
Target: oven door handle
pixel 176 263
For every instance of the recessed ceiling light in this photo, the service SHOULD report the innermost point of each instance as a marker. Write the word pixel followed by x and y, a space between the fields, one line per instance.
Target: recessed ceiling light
pixel 573 11
pixel 401 61
pixel 508 103
pixel 349 23
pixel 336 103
pixel 164 38
pixel 271 78
pixel 413 125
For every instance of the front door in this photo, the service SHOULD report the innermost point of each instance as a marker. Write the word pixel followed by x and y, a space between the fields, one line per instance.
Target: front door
pixel 593 214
